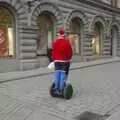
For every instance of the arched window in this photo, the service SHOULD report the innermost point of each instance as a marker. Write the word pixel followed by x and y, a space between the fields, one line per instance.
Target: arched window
pixel 46 27
pixel 7 38
pixel 97 39
pixel 76 34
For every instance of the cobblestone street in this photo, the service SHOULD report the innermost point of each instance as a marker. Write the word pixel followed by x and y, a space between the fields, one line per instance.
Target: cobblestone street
pixel 96 89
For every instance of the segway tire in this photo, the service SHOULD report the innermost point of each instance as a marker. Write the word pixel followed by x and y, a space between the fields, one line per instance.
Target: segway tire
pixel 68 91
pixel 52 91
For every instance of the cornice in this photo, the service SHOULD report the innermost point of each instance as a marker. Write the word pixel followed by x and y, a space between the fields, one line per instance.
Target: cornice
pixel 96 4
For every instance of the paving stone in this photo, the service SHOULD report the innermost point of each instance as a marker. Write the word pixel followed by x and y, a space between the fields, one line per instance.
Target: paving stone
pixel 20 114
pixel 94 87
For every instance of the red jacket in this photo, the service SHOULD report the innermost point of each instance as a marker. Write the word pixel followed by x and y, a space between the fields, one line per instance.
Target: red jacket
pixel 61 50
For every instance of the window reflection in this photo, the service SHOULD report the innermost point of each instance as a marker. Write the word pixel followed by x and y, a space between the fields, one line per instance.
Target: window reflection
pixel 7 47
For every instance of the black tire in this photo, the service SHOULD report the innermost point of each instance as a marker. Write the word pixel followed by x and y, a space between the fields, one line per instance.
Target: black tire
pixel 51 91
pixel 68 92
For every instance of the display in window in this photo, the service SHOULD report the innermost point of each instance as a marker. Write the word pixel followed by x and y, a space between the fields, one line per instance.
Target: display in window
pixel 11 42
pixel 3 42
pixel 74 40
pixel 77 44
pixel 96 45
pixel 50 37
pixel 7 34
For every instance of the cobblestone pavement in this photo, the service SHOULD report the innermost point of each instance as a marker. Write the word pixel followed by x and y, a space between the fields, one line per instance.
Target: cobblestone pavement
pixel 96 89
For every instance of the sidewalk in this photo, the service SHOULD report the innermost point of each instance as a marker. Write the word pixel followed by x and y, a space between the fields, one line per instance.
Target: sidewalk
pixel 10 76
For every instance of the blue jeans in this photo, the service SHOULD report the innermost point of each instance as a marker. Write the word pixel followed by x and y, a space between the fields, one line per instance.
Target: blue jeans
pixel 61 74
pixel 60 79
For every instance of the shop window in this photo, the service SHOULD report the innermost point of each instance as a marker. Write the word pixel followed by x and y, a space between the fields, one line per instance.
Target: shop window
pixel 7 41
pixel 75 34
pixel 74 40
pixel 96 40
pixel 45 33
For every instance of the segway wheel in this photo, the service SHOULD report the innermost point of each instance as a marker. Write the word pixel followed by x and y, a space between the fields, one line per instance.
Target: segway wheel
pixel 68 91
pixel 52 91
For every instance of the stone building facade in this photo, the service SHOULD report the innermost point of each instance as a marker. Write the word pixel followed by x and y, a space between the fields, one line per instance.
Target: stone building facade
pixel 27 29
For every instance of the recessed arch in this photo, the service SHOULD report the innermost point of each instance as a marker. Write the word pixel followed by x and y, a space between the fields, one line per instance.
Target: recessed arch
pixel 13 31
pixel 51 15
pixel 75 14
pixel 100 19
pixel 46 6
pixel 76 24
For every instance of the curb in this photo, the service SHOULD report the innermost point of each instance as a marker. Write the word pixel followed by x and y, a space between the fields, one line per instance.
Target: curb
pixel 12 76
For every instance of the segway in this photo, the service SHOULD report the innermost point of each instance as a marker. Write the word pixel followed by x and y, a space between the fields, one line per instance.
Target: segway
pixel 66 92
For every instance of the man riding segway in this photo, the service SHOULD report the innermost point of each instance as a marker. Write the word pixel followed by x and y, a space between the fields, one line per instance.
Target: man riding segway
pixel 61 55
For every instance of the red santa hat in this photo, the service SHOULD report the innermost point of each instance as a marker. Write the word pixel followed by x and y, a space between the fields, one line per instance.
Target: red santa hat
pixel 61 32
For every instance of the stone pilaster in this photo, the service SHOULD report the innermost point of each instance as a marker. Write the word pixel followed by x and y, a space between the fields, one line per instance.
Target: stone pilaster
pixel 28 47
